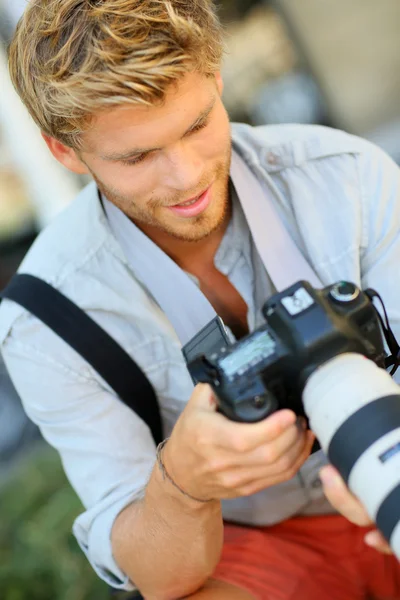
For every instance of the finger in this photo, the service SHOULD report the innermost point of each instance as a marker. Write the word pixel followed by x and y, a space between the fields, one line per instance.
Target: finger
pixel 248 481
pixel 290 462
pixel 376 540
pixel 203 398
pixel 257 486
pixel 341 498
pixel 244 437
pixel 286 446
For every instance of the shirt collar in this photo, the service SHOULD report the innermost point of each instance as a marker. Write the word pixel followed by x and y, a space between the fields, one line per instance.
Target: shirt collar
pixel 236 241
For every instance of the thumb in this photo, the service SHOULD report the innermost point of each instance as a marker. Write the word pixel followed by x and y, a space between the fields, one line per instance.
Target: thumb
pixel 204 398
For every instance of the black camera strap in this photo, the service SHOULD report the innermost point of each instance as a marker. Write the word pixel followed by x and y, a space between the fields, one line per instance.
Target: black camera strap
pixel 393 345
pixel 92 342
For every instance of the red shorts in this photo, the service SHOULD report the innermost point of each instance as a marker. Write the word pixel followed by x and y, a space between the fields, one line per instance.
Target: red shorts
pixel 307 558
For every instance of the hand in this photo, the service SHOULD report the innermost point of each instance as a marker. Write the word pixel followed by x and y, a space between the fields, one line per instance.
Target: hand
pixel 350 507
pixel 212 457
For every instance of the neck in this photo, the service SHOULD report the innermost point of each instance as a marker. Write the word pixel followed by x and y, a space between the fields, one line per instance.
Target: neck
pixel 190 256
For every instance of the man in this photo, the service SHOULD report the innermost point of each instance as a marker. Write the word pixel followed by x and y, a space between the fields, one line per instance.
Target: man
pixel 130 92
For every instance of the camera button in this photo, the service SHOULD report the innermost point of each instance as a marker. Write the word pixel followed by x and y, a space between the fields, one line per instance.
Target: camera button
pixel 344 291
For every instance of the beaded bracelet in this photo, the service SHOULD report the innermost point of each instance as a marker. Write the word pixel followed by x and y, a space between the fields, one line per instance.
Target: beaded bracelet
pixel 166 475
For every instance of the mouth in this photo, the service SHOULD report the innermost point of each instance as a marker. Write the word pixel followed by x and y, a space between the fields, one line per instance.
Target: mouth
pixel 193 206
pixel 192 200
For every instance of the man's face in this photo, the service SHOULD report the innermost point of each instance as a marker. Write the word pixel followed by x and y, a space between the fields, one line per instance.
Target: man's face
pixel 151 162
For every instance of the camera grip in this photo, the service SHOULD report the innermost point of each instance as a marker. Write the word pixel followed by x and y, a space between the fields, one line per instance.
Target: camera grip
pixel 245 403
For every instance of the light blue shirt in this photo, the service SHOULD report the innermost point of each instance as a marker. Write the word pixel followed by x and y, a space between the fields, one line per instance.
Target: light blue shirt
pixel 339 198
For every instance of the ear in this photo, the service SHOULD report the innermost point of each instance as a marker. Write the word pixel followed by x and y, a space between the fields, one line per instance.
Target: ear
pixel 219 81
pixel 65 155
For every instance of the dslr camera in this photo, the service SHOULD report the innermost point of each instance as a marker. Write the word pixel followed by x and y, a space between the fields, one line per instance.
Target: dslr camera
pixel 321 353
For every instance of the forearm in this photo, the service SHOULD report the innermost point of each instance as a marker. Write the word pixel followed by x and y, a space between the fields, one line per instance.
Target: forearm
pixel 167 543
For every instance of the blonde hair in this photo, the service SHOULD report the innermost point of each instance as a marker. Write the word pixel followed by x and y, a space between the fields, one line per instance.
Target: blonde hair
pixel 70 58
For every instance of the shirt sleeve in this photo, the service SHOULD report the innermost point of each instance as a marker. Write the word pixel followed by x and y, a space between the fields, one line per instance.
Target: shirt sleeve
pixel 107 451
pixel 380 253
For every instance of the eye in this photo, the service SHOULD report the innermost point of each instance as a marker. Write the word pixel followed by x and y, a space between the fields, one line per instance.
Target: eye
pixel 136 160
pixel 198 127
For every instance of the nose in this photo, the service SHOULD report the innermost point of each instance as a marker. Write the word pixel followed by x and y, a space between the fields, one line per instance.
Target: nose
pixel 183 167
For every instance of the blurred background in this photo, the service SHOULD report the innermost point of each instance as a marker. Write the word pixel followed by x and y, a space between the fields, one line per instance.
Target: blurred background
pixel 330 62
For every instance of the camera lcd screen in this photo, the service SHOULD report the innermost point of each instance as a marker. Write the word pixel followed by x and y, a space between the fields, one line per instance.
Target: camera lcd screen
pixel 248 353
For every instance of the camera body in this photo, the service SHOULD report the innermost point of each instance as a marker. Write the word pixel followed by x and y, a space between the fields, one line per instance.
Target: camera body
pixel 310 356
pixel 305 328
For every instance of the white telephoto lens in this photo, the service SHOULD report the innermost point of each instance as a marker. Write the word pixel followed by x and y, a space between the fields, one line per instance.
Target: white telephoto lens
pixel 354 410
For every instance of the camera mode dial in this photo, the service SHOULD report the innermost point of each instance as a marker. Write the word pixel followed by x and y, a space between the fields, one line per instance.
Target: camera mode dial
pixel 344 291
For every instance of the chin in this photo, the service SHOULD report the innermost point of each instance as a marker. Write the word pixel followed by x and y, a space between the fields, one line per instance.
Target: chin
pixel 202 230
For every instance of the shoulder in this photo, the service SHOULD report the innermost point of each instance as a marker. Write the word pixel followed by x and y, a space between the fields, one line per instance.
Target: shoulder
pixel 71 239
pixel 338 194
pixel 78 255
pixel 312 161
pixel 294 144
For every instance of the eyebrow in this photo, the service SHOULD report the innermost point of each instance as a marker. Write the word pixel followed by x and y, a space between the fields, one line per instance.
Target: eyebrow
pixel 114 156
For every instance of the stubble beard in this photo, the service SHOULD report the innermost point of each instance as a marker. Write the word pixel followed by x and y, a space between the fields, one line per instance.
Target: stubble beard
pixel 188 230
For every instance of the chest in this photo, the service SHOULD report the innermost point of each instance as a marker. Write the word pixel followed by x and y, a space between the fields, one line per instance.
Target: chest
pixel 226 301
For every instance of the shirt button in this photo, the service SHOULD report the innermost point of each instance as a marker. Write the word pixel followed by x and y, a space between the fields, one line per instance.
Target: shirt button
pixel 272 158
pixel 316 484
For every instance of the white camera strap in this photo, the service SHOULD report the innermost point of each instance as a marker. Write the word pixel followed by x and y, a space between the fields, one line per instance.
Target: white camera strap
pixel 282 259
pixel 184 304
